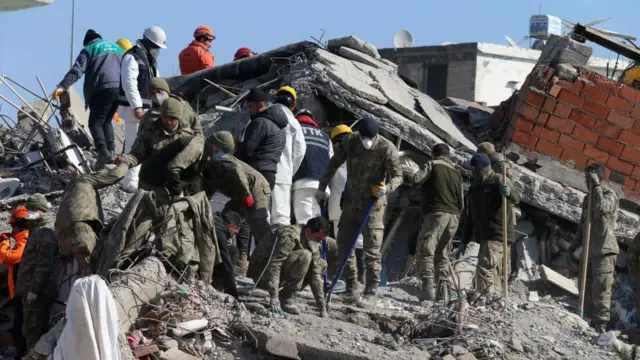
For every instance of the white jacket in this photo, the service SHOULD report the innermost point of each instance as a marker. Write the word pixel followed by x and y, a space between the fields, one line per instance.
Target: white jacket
pixel 129 80
pixel 294 150
pixel 337 186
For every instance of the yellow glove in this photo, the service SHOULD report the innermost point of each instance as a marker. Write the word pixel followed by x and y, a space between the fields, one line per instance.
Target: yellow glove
pixel 56 94
pixel 379 190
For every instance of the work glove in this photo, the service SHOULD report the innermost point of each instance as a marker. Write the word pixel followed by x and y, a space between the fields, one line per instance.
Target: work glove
pixel 138 113
pixel 32 297
pixel 274 306
pixel 247 202
pixel 462 248
pixel 321 196
pixel 56 93
pixel 121 159
pixel 379 190
pixel 593 179
pixel 505 190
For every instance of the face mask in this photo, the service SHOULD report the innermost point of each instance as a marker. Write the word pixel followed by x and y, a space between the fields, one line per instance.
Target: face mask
pixel 313 245
pixel 154 53
pixel 367 143
pixel 159 98
pixel 218 155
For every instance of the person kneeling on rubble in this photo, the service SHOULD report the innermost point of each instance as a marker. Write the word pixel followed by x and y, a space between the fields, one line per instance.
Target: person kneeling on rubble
pixel 288 260
pixel 80 219
pixel 485 222
pixel 37 274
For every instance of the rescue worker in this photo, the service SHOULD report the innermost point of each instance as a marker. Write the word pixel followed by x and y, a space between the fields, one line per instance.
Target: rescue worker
pixel 36 283
pixel 442 203
pixel 498 162
pixel 485 222
pixel 371 159
pixel 227 225
pixel 290 159
pixel 248 190
pixel 11 256
pixel 100 61
pixel 197 55
pixel 139 66
pixel 633 264
pixel 603 245
pixel 243 53
pixel 160 91
pixel 306 179
pixel 80 219
pixel 125 44
pixel 264 138
pixel 297 258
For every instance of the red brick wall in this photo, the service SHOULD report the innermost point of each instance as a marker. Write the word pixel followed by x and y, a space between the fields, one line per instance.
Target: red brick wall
pixel 592 119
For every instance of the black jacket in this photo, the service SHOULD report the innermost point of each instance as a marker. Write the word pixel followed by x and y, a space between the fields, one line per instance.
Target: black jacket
pixel 264 140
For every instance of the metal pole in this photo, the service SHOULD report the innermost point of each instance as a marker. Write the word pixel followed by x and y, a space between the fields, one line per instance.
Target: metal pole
pixel 585 251
pixel 505 244
pixel 73 27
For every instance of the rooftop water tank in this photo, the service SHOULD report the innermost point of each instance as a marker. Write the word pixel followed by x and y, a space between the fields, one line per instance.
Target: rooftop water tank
pixel 541 26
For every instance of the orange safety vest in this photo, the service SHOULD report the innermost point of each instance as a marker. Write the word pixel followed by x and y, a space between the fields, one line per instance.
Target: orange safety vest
pixel 10 257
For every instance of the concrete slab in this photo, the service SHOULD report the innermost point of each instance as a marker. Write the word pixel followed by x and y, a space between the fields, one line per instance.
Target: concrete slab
pixel 356 43
pixel 558 280
pixel 358 56
pixel 444 126
pixel 176 354
pixel 398 94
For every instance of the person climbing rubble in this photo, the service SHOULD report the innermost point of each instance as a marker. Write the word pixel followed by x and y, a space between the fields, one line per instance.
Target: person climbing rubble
pixel 160 91
pixel 36 283
pixel 243 53
pixel 197 56
pixel 80 219
pixel 442 204
pixel 264 138
pixel 306 179
pixel 248 190
pixel 290 159
pixel 288 259
pixel 139 66
pixel 227 226
pixel 100 62
pixel 603 245
pixel 371 159
pixel 485 222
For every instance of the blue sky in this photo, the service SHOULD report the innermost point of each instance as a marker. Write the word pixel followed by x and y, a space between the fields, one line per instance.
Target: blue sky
pixel 37 41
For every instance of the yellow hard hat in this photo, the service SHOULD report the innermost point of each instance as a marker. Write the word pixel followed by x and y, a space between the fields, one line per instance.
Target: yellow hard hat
pixel 339 130
pixel 125 44
pixel 289 90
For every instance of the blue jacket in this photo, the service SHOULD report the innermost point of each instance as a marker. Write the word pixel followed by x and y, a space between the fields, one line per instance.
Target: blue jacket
pixel 316 158
pixel 100 63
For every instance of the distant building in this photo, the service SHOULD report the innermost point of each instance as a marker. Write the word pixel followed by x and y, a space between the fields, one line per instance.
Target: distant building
pixel 481 72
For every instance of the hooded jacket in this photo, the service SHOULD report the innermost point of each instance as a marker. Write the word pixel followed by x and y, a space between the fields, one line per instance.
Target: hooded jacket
pixel 194 58
pixel 264 140
pixel 294 149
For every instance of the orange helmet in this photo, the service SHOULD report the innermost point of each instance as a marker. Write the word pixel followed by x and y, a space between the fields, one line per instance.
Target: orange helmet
pixel 204 31
pixel 19 213
pixel 243 52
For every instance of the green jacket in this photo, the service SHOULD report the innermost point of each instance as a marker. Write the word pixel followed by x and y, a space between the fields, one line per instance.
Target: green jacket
pixel 191 118
pixel 603 220
pixel 441 186
pixel 37 273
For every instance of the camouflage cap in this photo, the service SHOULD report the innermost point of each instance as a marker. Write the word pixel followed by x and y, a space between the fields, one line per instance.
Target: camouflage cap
pixel 486 148
pixel 159 83
pixel 37 201
pixel 224 140
pixel 171 107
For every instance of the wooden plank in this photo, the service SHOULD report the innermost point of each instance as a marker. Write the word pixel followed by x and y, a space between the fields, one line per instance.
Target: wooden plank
pixel 558 280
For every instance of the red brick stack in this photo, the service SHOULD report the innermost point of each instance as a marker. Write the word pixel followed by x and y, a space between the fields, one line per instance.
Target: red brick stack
pixel 592 119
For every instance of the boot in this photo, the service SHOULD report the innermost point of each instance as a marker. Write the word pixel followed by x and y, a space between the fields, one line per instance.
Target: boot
pixel 104 158
pixel 352 294
pixel 443 291
pixel 112 156
pixel 289 306
pixel 369 298
pixel 427 291
pixel 243 266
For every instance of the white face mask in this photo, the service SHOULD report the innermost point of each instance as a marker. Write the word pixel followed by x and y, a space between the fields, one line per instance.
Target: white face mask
pixel 159 98
pixel 367 143
pixel 313 245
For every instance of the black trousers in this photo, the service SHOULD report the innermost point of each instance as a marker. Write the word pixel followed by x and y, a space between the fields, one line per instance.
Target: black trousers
pixel 271 178
pixel 102 107
pixel 19 342
pixel 224 277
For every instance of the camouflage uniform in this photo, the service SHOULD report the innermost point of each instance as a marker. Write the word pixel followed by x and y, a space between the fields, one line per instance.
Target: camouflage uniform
pixel 603 251
pixel 318 266
pixel 153 115
pixel 485 224
pixel 633 264
pixel 498 162
pixel 37 275
pixel 79 218
pixel 365 168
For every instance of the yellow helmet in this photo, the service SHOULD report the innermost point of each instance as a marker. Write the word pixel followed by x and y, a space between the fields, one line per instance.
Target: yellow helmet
pixel 125 44
pixel 289 90
pixel 339 130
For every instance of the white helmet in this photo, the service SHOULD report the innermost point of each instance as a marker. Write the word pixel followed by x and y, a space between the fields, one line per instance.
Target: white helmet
pixel 156 35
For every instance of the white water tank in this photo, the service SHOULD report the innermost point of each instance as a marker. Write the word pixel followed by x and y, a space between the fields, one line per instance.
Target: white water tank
pixel 541 26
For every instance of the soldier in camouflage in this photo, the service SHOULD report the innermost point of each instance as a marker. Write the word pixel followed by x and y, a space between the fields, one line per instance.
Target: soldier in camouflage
pixel 36 282
pixel 371 159
pixel 603 245
pixel 296 262
pixel 498 162
pixel 80 218
pixel 160 91
pixel 442 204
pixel 485 222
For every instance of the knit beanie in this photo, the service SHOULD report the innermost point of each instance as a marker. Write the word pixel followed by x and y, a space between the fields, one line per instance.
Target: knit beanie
pixel 480 161
pixel 368 127
pixel 486 148
pixel 90 36
pixel 37 201
pixel 257 95
pixel 224 140
pixel 159 83
pixel 171 107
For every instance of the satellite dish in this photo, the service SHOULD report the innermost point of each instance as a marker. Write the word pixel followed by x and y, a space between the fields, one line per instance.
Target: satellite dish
pixel 402 38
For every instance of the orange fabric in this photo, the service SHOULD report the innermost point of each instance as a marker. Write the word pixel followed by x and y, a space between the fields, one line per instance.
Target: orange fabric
pixel 203 30
pixel 117 119
pixel 19 213
pixel 10 257
pixel 195 57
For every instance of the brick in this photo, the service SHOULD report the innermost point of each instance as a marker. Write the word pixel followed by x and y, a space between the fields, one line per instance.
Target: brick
pixel 535 98
pixel 630 138
pixel 548 148
pixel 610 145
pixel 523 124
pixel 575 86
pixel 555 90
pixel 537 131
pixel 630 184
pixel 562 110
pixel 587 74
pixel 604 128
pixel 631 154
pixel 568 142
pixel 636 127
pixel 524 139
pixel 595 154
pixel 629 93
pixel 550 135
pixel 620 105
pixel 605 84
pixel 571 98
pixel 549 104
pixel 528 111
pixel 637 188
pixel 595 93
pixel 595 108
pixel 562 125
pixel 582 118
pixel 619 165
pixel 622 121
pixel 579 160
pixel 585 134
pixel 542 118
pixel 635 114
pixel 636 172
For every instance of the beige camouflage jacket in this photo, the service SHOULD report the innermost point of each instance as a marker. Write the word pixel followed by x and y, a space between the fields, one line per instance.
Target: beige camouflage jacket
pixel 604 214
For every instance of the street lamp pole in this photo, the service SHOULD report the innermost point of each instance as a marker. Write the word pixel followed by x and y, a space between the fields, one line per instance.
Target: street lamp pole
pixel 73 28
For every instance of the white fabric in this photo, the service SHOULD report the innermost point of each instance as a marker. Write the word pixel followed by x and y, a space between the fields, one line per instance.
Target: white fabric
pixel 337 186
pixel 91 330
pixel 293 152
pixel 129 72
pixel 305 206
pixel 281 204
pixel 130 181
pixel 359 243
